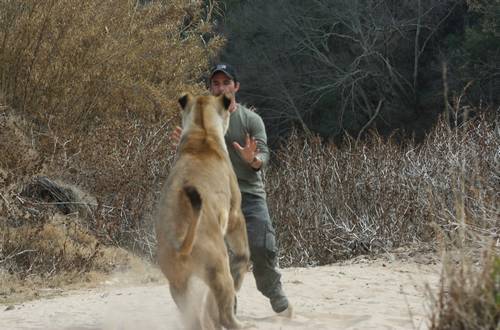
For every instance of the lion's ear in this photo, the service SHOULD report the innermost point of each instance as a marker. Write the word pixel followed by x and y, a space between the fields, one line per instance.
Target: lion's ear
pixel 183 100
pixel 226 101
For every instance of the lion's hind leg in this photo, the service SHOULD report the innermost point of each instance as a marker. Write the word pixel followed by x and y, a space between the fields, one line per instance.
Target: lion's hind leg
pixel 237 244
pixel 189 313
pixel 221 284
pixel 211 312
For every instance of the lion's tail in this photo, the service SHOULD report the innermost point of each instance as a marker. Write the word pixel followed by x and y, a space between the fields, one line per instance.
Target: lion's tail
pixel 195 200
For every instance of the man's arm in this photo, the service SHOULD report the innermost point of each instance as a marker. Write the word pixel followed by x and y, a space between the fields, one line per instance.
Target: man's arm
pixel 258 132
pixel 255 151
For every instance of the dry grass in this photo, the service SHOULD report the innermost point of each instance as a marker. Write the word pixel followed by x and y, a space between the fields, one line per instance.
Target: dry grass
pixel 91 88
pixel 332 203
pixel 469 294
pixel 87 99
pixel 59 244
pixel 76 64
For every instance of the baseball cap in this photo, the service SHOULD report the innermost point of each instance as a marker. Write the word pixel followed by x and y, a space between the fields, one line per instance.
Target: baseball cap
pixel 226 69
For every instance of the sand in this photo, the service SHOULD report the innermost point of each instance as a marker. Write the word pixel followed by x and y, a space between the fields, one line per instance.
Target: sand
pixel 359 294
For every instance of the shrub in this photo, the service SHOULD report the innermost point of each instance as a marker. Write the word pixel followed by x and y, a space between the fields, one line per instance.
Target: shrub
pixel 469 294
pixel 331 203
pixel 93 85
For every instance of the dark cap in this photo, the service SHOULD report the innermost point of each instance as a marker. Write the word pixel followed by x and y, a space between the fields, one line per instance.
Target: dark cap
pixel 226 69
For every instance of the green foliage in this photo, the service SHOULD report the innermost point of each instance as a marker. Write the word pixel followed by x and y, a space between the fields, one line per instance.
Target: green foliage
pixel 482 36
pixel 473 53
pixel 480 45
pixel 489 13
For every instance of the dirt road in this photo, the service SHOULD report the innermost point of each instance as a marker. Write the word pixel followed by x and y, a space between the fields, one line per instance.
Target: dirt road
pixel 360 294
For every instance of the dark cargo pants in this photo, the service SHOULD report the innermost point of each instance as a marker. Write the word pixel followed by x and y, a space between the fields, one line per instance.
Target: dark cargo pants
pixel 262 242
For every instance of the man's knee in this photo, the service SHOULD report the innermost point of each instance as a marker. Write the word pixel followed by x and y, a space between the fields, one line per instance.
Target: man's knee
pixel 263 257
pixel 261 235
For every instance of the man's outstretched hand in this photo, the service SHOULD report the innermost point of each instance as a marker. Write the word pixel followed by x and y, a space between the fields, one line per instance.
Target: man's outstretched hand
pixel 249 151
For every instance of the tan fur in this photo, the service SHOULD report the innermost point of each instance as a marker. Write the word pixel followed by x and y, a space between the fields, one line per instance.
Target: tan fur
pixel 200 210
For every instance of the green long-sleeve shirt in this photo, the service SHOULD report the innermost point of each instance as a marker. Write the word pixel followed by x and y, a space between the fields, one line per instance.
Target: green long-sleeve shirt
pixel 241 122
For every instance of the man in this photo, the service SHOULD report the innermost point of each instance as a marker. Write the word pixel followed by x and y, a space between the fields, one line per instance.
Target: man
pixel 246 140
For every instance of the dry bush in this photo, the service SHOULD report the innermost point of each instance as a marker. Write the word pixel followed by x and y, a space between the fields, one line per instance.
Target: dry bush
pixel 35 238
pixel 332 203
pixel 74 64
pixel 57 244
pixel 91 88
pixel 19 158
pixel 469 294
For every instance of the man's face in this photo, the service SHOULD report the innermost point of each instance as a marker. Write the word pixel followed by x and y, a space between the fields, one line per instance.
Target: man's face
pixel 221 83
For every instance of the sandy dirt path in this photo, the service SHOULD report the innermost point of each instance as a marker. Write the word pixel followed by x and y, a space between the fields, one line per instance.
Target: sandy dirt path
pixel 360 294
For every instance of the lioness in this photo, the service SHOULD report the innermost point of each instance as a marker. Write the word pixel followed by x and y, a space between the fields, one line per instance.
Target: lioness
pixel 199 212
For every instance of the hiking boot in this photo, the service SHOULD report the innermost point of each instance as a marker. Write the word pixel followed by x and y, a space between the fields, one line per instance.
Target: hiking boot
pixel 279 303
pixel 288 312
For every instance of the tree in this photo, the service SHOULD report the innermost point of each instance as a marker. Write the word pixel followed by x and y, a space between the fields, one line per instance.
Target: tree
pixel 336 66
pixel 473 53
